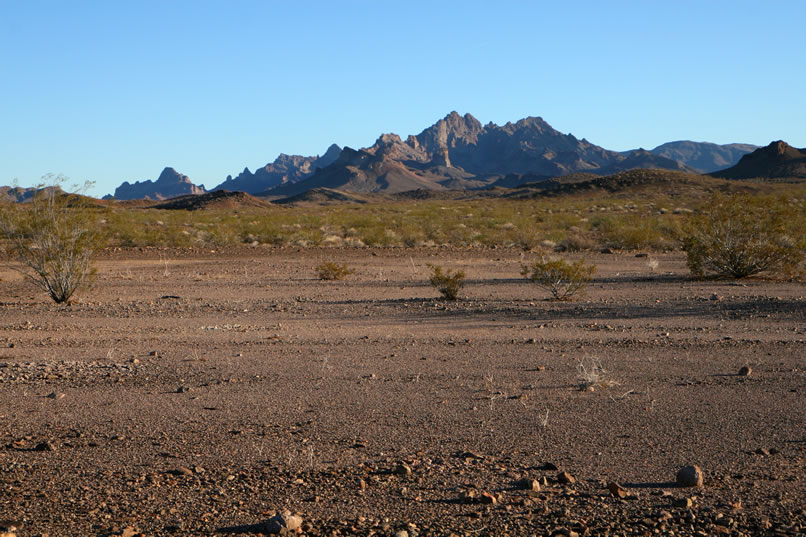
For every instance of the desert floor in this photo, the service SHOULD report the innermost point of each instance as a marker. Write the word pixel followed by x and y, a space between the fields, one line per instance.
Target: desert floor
pixel 201 392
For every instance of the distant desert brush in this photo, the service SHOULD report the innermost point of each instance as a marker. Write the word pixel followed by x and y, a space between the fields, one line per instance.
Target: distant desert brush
pixel 331 271
pixel 447 283
pixel 559 277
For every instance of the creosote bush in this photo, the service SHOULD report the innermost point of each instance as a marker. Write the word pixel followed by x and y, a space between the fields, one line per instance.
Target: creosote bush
pixel 53 239
pixel 446 282
pixel 739 236
pixel 332 271
pixel 559 277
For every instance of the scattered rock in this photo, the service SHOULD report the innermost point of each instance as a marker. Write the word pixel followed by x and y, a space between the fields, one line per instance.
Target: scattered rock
pixel 550 466
pixel 716 297
pixel 606 251
pixel 55 395
pixel 156 354
pixel 763 451
pixel 468 496
pixel 488 498
pixel 690 476
pixel 642 254
pixel 129 531
pixel 565 477
pixel 402 533
pixel 616 490
pixel 745 371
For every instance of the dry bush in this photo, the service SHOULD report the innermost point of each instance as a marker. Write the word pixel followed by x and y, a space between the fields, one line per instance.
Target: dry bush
pixel 738 236
pixel 54 240
pixel 447 283
pixel 591 374
pixel 331 271
pixel 559 277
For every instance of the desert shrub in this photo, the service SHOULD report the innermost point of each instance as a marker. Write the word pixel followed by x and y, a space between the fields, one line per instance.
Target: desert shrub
pixel 576 242
pixel 447 283
pixel 559 277
pixel 738 236
pixel 331 271
pixel 54 240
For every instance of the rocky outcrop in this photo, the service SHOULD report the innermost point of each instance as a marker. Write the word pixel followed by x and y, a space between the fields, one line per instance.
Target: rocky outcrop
pixel 285 169
pixel 169 184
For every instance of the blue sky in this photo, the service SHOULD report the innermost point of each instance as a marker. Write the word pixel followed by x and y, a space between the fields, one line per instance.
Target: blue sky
pixel 114 91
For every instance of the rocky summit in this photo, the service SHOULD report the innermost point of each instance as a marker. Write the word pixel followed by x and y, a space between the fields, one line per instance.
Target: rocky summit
pixel 778 160
pixel 169 184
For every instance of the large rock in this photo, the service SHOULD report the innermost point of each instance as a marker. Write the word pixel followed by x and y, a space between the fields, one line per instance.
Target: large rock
pixel 690 476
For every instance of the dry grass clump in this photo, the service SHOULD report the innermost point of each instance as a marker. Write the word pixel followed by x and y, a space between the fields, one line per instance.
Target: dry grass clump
pixel 446 282
pixel 559 277
pixel 331 271
pixel 591 374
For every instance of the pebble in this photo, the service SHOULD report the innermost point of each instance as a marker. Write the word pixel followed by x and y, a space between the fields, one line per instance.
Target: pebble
pixel 745 371
pixel 690 476
pixel 565 477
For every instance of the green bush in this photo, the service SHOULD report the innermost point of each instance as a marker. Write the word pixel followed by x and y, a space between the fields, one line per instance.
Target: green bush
pixel 559 277
pixel 739 236
pixel 54 239
pixel 331 271
pixel 447 283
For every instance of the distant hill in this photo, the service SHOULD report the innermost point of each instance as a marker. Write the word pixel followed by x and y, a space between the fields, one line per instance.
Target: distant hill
pixel 703 157
pixel 16 194
pixel 169 184
pixel 285 169
pixel 777 160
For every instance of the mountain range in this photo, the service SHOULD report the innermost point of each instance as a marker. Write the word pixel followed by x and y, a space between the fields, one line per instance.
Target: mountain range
pixel 456 153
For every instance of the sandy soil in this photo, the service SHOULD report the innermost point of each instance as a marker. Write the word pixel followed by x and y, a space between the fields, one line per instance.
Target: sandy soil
pixel 199 393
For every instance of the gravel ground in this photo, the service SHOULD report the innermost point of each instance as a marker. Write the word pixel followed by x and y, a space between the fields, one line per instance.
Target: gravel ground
pixel 200 393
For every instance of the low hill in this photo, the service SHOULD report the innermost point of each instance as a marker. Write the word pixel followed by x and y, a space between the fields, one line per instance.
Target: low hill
pixel 323 196
pixel 218 199
pixel 775 161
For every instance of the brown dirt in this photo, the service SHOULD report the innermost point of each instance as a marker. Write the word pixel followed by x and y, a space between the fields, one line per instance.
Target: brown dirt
pixel 197 393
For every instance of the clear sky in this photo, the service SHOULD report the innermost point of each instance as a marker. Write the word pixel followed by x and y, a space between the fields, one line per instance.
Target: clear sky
pixel 114 91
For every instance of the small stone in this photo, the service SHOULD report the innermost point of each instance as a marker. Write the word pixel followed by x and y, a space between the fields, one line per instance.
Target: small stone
pixel 565 477
pixel 183 389
pixel 683 503
pixel 156 354
pixel 45 446
pixel 129 531
pixel 616 490
pixel 690 476
pixel 745 371
pixel 716 298
pixel 606 251
pixel 402 469
pixel 282 522
pixel 763 451
pixel 182 470
pixel 55 395
pixel 402 533
pixel 528 484
pixel 642 254
pixel 488 498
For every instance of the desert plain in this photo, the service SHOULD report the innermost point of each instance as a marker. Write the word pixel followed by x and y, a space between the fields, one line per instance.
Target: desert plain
pixel 202 392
